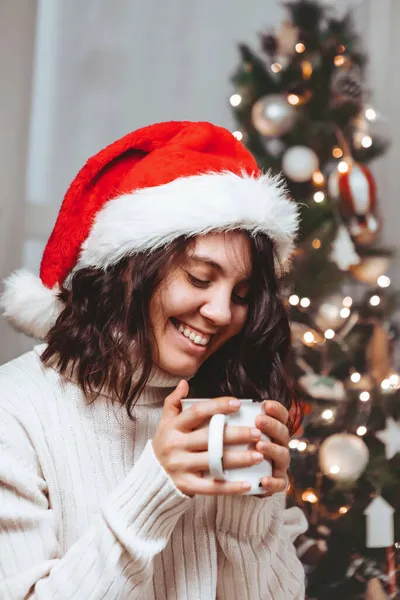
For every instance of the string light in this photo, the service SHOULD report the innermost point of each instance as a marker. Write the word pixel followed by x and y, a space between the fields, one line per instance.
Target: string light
pixel 307 69
pixel 343 166
pixel 337 152
pixel 374 300
pixel 300 48
pixel 309 496
pixel 319 197
pixel 309 337
pixel 294 300
pixel 341 48
pixel 392 383
pixel 316 243
pixel 394 380
pixel 301 446
pixel 339 60
pixel 334 469
pixel 327 414
pixel 347 301
pixel 344 313
pixel 329 334
pixel 293 99
pixel 364 396
pixel 238 135
pixel 385 384
pixel 318 178
pixel 235 99
pixel 366 141
pixel 383 281
pixel 355 377
pixel 362 430
pixel 343 510
pixel 370 114
pixel 276 67
pixel 305 302
pixel 293 444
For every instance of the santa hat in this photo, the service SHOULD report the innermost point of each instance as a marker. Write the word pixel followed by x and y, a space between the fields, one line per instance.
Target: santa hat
pixel 140 193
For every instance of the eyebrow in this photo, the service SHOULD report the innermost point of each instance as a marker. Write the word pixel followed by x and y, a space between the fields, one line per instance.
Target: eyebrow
pixel 211 263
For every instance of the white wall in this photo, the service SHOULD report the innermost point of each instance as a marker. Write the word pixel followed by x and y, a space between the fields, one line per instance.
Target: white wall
pixel 105 67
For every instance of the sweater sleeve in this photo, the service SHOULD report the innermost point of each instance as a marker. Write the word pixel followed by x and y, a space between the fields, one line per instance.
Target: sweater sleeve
pixel 113 559
pixel 256 555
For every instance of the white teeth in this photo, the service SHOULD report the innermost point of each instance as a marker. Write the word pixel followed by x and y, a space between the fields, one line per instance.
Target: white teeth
pixel 196 338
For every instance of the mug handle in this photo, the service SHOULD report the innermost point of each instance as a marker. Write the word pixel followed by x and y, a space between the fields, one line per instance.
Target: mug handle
pixel 216 446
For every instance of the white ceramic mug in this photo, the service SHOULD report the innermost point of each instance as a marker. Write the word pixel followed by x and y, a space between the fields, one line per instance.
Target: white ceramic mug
pixel 244 417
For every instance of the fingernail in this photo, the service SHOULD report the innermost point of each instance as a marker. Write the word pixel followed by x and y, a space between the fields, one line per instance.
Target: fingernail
pixel 258 456
pixel 263 445
pixel 256 432
pixel 234 403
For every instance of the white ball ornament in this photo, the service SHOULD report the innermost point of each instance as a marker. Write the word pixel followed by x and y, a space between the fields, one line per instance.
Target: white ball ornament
pixel 343 457
pixel 272 115
pixel 299 163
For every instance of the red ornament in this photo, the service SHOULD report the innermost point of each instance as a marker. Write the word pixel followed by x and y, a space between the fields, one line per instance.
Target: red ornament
pixel 356 191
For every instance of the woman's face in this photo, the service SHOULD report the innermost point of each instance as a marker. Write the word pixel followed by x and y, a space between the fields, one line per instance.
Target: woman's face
pixel 202 302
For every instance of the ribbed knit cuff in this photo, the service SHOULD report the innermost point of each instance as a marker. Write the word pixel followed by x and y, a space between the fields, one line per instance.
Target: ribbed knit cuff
pixel 146 503
pixel 245 515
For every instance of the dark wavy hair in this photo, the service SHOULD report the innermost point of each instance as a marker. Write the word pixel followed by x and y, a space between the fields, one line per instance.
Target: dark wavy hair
pixel 107 313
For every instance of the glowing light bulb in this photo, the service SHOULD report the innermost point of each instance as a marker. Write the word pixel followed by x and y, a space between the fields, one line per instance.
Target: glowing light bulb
pixel 364 396
pixel 339 60
pixel 394 380
pixel 318 178
pixel 343 510
pixel 319 197
pixel 238 135
pixel 276 67
pixel 334 469
pixel 362 430
pixel 337 152
pixel 370 114
pixel 343 166
pixel 309 496
pixel 329 334
pixel 327 414
pixel 383 281
pixel 374 300
pixel 294 300
pixel 305 302
pixel 347 301
pixel 309 337
pixel 293 99
pixel 300 48
pixel 366 141
pixel 355 377
pixel 344 313
pixel 235 99
pixel 293 444
pixel 301 446
pixel 316 244
pixel 385 384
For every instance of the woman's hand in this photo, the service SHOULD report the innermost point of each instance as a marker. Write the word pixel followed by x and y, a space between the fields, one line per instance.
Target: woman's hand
pixel 181 448
pixel 273 425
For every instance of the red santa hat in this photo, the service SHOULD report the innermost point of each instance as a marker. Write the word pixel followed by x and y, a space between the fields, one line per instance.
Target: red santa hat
pixel 140 193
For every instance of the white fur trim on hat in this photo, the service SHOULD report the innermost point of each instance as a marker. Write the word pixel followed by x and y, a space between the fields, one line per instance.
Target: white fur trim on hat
pixel 29 305
pixel 150 218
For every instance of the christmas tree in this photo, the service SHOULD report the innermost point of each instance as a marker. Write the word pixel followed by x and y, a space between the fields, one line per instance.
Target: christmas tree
pixel 302 108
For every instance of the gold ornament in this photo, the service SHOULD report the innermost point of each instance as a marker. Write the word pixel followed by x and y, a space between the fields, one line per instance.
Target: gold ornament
pixel 272 115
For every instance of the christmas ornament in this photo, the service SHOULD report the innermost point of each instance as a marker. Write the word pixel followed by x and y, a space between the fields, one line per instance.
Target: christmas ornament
pixel 322 387
pixel 343 457
pixel 275 146
pixel 346 86
pixel 370 268
pixel 390 436
pixel 379 522
pixel 327 313
pixel 299 163
pixel 356 190
pixel 272 115
pixel 378 353
pixel 343 252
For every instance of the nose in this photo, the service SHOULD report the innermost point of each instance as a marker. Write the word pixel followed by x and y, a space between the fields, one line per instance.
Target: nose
pixel 218 309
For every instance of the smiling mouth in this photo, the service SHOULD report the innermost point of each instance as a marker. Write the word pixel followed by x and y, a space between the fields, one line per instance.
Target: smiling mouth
pixel 198 339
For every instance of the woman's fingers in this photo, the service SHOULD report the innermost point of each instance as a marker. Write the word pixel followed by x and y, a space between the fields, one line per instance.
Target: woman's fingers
pixel 192 485
pixel 196 441
pixel 273 485
pixel 198 461
pixel 277 410
pixel 202 411
pixel 273 429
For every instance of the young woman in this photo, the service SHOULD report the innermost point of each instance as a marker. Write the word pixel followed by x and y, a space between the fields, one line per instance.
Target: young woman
pixel 160 275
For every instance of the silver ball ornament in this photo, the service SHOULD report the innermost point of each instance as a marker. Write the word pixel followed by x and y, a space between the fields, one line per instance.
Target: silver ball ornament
pixel 272 115
pixel 299 163
pixel 343 457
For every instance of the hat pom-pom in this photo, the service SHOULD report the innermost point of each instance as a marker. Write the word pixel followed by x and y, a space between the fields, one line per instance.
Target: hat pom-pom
pixel 29 305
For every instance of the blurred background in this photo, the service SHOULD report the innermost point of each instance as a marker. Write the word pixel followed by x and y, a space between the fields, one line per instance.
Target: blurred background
pixel 312 92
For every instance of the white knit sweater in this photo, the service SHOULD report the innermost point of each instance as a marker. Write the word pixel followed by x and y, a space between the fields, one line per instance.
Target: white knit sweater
pixel 88 513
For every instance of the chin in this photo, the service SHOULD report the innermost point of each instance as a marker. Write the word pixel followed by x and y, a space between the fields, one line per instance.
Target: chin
pixel 180 370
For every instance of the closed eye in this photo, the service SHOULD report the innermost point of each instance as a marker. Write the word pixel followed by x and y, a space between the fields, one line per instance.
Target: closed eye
pixel 201 283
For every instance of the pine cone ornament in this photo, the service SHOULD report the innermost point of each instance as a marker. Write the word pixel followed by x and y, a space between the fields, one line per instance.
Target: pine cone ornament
pixel 346 86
